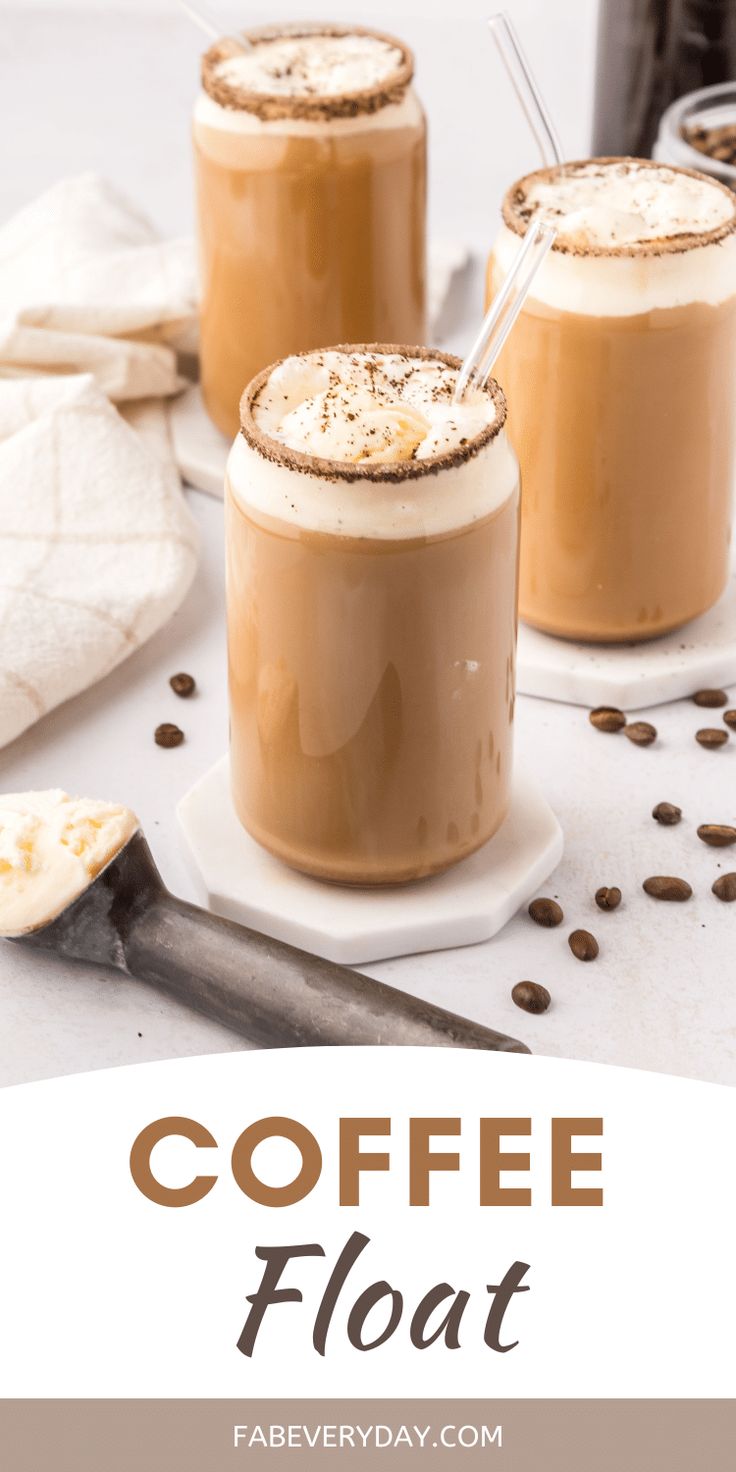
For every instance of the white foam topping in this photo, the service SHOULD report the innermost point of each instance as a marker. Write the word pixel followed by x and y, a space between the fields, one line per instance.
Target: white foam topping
pixel 312 66
pixel 406 113
pixel 368 406
pixel 622 204
pixel 51 847
pixel 372 408
pixel 615 206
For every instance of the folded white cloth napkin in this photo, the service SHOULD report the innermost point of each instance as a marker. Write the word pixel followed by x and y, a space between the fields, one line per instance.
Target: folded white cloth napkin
pixel 97 546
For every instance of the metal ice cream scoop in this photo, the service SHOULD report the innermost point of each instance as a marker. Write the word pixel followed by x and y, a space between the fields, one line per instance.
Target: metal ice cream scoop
pixel 270 992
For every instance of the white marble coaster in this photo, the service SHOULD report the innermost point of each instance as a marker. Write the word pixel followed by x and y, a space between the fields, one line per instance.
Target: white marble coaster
pixel 632 676
pixel 200 450
pixel 467 904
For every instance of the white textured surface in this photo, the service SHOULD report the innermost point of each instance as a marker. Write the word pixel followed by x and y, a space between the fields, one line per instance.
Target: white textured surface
pixel 661 995
pixel 467 904
pixel 699 656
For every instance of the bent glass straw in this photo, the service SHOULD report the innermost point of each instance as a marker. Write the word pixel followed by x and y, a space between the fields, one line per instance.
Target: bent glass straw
pixel 210 27
pixel 525 87
pixel 505 308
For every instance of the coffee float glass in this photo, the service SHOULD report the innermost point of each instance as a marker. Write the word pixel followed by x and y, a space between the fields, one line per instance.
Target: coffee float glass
pixel 621 376
pixel 372 533
pixel 310 153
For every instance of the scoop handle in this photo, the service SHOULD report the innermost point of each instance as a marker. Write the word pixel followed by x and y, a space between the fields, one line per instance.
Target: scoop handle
pixel 279 996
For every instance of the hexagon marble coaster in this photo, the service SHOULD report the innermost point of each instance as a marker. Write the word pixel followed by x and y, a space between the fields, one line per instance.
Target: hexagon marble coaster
pixel 469 903
pixel 632 676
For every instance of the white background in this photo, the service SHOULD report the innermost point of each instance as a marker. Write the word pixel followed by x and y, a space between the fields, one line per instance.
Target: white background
pixel 105 1293
pixel 110 87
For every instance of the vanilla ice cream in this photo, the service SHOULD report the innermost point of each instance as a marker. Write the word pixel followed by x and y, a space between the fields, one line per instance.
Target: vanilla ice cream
pixel 356 406
pixel 51 847
pixel 389 414
pixel 322 64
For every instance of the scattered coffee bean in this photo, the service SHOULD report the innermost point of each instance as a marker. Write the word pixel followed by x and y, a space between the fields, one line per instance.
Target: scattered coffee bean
pixel 718 835
pixel 583 945
pixel 729 717
pixel 711 698
pixel 711 737
pixel 641 733
pixel 607 718
pixel 183 685
pixel 665 887
pixel 546 912
pixel 530 996
pixel 608 899
pixel 168 735
pixel 725 888
pixel 667 814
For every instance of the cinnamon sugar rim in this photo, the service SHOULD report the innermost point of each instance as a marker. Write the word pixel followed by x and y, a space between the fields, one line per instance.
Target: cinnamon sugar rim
pixel 270 106
pixel 516 196
pixel 374 470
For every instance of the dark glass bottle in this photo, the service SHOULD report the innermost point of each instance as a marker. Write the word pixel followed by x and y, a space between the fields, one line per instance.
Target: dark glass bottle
pixel 649 53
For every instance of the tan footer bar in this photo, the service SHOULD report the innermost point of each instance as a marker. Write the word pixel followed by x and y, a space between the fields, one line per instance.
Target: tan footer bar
pixel 506 1435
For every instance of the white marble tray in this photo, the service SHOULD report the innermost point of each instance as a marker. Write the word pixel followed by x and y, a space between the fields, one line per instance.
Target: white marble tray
pixel 633 676
pixel 469 903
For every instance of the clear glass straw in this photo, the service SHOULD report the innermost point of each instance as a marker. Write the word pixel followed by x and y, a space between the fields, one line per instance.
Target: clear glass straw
pixel 526 89
pixel 505 308
pixel 211 28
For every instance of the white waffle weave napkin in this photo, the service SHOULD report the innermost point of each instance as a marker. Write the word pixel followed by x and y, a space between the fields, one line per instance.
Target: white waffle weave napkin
pixel 97 546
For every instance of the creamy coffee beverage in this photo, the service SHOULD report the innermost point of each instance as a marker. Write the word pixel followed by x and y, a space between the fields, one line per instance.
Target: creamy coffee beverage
pixel 311 181
pixel 621 376
pixel 372 530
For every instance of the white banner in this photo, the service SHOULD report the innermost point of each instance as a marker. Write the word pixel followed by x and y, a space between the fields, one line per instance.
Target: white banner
pixel 108 1293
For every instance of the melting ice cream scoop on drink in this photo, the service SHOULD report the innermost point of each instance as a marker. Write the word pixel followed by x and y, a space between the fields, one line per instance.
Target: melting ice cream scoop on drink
pixel 369 405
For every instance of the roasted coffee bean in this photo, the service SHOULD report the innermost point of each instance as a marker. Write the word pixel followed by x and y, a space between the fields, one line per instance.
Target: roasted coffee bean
pixel 583 945
pixel 667 814
pixel 665 887
pixel 607 718
pixel 168 735
pixel 608 899
pixel 718 835
pixel 641 733
pixel 712 737
pixel 183 685
pixel 530 996
pixel 711 698
pixel 546 912
pixel 725 888
pixel 729 717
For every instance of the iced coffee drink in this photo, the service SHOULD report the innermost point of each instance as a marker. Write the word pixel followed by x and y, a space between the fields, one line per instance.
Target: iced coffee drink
pixel 621 376
pixel 372 530
pixel 311 160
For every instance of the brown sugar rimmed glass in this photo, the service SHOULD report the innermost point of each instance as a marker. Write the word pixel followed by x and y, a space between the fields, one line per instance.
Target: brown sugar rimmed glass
pixel 623 421
pixel 311 218
pixel 371 651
